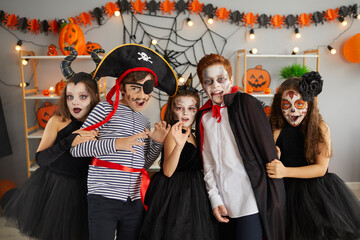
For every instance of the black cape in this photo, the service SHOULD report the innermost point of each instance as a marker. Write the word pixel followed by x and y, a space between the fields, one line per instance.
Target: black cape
pixel 255 142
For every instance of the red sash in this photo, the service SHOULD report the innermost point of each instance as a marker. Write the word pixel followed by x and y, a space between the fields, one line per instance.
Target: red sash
pixel 145 179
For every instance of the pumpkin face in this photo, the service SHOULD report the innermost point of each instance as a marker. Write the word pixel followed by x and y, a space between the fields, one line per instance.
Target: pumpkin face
pixel 44 114
pixel 46 92
pixel 91 47
pixel 52 51
pixel 267 90
pixel 267 110
pixel 71 35
pixel 59 87
pixel 257 78
pixel 249 89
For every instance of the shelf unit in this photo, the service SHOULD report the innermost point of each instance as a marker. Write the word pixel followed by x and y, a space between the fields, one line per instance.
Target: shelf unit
pixel 242 53
pixel 35 132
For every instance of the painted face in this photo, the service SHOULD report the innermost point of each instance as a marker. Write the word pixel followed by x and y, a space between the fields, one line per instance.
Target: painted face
pixel 185 109
pixel 78 100
pixel 293 107
pixel 217 83
pixel 134 95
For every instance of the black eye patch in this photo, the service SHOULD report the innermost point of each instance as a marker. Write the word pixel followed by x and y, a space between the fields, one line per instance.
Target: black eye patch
pixel 148 86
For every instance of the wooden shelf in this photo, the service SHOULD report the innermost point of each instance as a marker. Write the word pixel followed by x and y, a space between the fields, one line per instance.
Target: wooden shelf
pixel 36 135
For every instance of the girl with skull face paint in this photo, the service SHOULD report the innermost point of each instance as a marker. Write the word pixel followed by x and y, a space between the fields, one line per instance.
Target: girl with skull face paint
pixel 177 198
pixel 52 204
pixel 319 204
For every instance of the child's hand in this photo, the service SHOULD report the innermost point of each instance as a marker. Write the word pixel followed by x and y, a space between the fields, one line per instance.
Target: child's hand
pixel 220 214
pixel 179 137
pixel 127 142
pixel 84 136
pixel 276 169
pixel 161 131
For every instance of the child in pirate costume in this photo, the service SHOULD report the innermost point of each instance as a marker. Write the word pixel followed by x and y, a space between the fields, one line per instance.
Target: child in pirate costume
pixel 235 140
pixel 117 179
pixel 52 204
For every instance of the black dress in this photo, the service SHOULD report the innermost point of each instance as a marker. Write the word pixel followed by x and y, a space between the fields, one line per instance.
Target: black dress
pixel 52 203
pixel 317 208
pixel 179 207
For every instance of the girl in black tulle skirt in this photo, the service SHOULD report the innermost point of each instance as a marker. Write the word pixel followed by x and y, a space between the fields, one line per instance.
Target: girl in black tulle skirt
pixel 52 203
pixel 319 204
pixel 179 207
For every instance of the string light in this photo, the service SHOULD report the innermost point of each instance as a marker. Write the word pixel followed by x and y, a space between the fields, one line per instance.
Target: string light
pixel 25 61
pixel 295 50
pixel 331 49
pixel 51 89
pixel 343 21
pixel 358 16
pixel 18 45
pixel 210 20
pixel 181 79
pixel 253 51
pixel 117 13
pixel 252 34
pixel 154 42
pixel 189 22
pixel 25 84
pixel 297 33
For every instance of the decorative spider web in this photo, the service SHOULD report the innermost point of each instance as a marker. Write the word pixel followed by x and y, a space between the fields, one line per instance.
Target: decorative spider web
pixel 180 45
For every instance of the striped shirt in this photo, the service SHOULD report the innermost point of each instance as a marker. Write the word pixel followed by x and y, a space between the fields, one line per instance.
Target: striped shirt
pixel 112 183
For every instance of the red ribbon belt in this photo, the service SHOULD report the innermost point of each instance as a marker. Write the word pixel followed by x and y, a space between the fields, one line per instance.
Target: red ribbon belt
pixel 145 179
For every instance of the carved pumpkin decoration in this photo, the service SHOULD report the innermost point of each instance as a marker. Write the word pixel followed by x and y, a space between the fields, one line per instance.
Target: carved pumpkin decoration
pixel 71 35
pixel 249 89
pixel 91 47
pixel 267 110
pixel 257 78
pixel 352 49
pixel 46 92
pixel 267 90
pixel 44 114
pixel 52 50
pixel 59 87
pixel 163 110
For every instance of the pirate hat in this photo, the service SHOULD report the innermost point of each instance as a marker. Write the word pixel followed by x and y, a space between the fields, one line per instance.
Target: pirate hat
pixel 134 57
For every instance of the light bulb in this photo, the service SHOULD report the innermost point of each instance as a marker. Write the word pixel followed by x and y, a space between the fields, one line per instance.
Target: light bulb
pixel 331 49
pixel 210 20
pixel 18 45
pixel 154 42
pixel 117 13
pixel 295 50
pixel 181 79
pixel 189 22
pixel 25 61
pixel 51 89
pixel 252 34
pixel 253 51
pixel 297 33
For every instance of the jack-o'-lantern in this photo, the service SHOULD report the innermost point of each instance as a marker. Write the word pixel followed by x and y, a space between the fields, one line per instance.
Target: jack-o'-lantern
pixel 59 87
pixel 267 90
pixel 44 114
pixel 52 50
pixel 71 35
pixel 267 110
pixel 257 78
pixel 249 89
pixel 91 47
pixel 46 92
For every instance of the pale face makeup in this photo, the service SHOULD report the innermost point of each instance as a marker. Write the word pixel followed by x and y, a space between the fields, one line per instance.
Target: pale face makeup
pixel 217 83
pixel 78 100
pixel 134 95
pixel 185 110
pixel 293 107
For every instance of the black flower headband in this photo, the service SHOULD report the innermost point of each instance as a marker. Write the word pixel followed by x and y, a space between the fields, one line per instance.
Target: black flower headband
pixel 310 85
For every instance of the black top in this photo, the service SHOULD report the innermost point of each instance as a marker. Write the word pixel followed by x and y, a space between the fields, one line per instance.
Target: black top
pixel 58 157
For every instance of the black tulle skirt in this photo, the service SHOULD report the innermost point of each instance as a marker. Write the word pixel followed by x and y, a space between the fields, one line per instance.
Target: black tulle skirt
pixel 50 206
pixel 179 208
pixel 321 208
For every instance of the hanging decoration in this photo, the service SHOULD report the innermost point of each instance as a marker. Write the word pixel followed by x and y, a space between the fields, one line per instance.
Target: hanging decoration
pixel 351 49
pixel 13 22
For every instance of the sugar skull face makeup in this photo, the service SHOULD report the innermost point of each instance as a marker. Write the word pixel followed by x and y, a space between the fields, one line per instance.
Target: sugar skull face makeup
pixel 217 83
pixel 293 107
pixel 185 109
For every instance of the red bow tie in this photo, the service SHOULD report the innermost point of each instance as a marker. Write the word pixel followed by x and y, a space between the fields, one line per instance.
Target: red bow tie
pixel 216 112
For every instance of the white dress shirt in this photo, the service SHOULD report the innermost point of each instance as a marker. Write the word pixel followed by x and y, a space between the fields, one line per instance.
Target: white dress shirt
pixel 226 180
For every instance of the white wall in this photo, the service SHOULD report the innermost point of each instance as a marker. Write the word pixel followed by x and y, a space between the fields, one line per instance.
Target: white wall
pixel 337 102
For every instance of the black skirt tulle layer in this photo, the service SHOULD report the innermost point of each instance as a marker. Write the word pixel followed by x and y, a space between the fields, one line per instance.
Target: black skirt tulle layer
pixel 50 206
pixel 179 208
pixel 321 208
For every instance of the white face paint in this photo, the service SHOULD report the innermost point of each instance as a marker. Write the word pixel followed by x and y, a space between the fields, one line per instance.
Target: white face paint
pixel 185 109
pixel 78 100
pixel 217 83
pixel 134 95
pixel 293 107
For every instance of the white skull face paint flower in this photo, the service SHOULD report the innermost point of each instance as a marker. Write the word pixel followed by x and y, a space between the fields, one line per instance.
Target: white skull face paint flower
pixel 293 107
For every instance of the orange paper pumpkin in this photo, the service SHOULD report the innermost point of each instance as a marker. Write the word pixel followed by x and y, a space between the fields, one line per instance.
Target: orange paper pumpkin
pixel 46 92
pixel 352 49
pixel 71 35
pixel 163 110
pixel 44 114
pixel 91 47
pixel 249 89
pixel 267 90
pixel 257 78
pixel 59 87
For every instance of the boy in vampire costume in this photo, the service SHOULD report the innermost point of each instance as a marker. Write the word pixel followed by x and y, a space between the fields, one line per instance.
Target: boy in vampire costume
pixel 117 179
pixel 236 143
